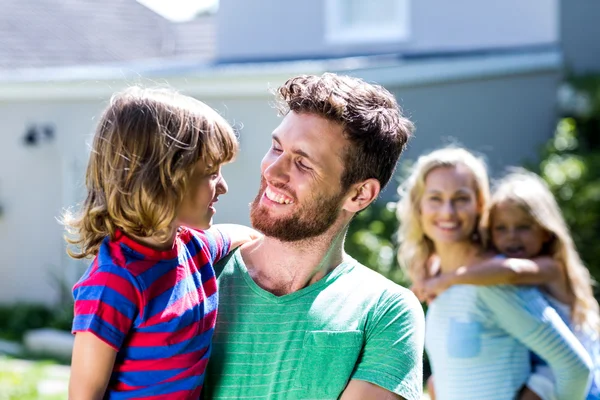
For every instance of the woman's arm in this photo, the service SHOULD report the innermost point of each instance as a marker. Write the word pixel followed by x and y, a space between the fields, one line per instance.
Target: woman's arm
pixel 524 314
pixel 91 366
pixel 497 271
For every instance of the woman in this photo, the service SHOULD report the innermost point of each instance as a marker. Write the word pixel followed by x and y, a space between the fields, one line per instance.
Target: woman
pixel 478 338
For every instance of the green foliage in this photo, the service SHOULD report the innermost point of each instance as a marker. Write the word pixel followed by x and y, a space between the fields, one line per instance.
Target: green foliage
pixel 371 240
pixel 571 166
pixel 18 318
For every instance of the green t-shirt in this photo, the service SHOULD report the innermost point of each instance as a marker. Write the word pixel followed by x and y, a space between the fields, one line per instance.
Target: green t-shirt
pixel 352 324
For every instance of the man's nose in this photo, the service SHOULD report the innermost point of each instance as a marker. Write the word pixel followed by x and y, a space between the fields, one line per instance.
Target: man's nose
pixel 277 169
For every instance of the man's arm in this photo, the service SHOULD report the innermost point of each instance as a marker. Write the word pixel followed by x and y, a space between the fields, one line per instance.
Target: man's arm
pixel 391 361
pixel 362 390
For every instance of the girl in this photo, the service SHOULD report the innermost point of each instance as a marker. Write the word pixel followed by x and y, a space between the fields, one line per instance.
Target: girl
pixel 526 226
pixel 478 338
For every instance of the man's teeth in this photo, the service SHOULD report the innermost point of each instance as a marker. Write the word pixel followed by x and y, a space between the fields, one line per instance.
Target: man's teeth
pixel 276 197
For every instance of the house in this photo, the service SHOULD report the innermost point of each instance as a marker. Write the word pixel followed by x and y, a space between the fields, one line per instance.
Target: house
pixel 483 74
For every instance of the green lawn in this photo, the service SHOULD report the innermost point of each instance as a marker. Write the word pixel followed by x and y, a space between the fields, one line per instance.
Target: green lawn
pixel 32 380
pixel 36 380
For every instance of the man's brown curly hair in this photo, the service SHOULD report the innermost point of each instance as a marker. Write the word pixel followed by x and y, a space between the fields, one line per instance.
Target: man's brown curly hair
pixel 369 114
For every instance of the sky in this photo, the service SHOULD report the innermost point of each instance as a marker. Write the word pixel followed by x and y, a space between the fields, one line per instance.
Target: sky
pixel 179 10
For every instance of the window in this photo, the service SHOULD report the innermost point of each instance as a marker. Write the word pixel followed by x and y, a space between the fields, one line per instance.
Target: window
pixel 361 21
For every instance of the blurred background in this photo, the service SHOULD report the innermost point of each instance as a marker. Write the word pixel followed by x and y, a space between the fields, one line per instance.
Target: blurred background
pixel 512 80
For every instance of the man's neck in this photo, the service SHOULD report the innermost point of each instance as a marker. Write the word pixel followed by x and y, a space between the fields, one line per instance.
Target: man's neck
pixel 286 267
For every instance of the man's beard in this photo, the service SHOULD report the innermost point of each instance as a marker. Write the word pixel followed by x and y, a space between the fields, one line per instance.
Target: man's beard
pixel 310 220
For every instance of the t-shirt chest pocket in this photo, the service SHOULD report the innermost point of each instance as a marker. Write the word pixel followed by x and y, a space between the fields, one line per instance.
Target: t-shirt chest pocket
pixel 327 361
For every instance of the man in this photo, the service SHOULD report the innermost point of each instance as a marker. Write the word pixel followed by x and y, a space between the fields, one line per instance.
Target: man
pixel 299 318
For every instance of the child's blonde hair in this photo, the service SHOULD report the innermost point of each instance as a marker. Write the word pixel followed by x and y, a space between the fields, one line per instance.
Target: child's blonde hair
pixel 416 248
pixel 528 191
pixel 147 144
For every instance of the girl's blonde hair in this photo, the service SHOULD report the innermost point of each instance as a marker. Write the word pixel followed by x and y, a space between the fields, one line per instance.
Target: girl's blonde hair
pixel 416 248
pixel 146 146
pixel 528 191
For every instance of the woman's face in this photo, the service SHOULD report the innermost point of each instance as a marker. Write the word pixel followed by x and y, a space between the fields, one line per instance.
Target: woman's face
pixel 449 206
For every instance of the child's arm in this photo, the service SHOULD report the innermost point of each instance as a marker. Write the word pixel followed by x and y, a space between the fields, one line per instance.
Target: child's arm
pixel 91 366
pixel 497 271
pixel 238 234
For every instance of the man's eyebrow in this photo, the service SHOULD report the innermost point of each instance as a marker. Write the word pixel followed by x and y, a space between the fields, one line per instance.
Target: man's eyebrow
pixel 297 151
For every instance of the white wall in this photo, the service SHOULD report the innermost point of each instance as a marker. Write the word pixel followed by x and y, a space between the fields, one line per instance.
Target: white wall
pixel 32 190
pixel 507 112
pixel 37 183
pixel 292 30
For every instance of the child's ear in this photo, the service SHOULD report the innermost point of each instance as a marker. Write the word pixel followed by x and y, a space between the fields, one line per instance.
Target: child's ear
pixel 361 195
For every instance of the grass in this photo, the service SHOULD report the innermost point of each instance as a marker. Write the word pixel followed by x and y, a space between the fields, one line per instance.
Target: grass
pixel 32 380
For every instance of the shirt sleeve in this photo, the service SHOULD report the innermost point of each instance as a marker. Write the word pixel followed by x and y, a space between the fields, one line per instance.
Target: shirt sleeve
pixel 216 243
pixel 107 301
pixel 526 315
pixel 392 356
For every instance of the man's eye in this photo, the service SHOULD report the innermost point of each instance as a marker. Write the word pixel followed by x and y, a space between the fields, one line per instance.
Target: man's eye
pixel 303 166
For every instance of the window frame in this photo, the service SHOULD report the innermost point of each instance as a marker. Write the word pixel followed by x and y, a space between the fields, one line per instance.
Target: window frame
pixel 337 33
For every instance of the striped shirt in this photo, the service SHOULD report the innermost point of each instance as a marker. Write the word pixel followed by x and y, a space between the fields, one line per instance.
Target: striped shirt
pixel 478 340
pixel 351 324
pixel 157 309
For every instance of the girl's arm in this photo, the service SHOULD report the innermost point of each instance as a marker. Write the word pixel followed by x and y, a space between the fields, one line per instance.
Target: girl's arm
pixel 91 366
pixel 497 271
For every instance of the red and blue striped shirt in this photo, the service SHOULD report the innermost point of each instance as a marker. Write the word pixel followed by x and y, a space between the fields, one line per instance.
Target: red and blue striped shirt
pixel 157 309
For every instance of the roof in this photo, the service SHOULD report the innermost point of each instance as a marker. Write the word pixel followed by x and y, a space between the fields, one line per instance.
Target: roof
pixel 54 33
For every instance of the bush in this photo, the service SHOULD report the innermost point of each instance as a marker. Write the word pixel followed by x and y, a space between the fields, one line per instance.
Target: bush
pixel 571 166
pixel 17 319
pixel 371 240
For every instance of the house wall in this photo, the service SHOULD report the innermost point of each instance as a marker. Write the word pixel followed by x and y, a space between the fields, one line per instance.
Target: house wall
pixel 35 185
pixel 507 116
pixel 580 32
pixel 283 30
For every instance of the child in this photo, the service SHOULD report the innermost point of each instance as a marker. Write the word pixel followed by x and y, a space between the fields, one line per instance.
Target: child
pixel 526 226
pixel 145 309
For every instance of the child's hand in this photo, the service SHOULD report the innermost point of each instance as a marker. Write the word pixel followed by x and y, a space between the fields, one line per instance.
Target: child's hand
pixel 238 234
pixel 433 287
pixel 419 288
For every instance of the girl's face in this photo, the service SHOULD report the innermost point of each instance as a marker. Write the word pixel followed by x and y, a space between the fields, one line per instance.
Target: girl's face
pixel 449 206
pixel 515 233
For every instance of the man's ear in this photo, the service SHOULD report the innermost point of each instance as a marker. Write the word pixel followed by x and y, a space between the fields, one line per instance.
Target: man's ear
pixel 361 195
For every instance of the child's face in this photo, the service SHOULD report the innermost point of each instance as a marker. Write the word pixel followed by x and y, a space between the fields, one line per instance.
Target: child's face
pixel 449 207
pixel 515 233
pixel 197 209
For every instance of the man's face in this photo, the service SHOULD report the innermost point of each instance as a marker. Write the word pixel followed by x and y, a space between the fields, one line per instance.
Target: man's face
pixel 300 195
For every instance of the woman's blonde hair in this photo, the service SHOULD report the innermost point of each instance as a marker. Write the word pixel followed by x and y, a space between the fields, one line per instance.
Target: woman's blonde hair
pixel 146 146
pixel 528 191
pixel 415 247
